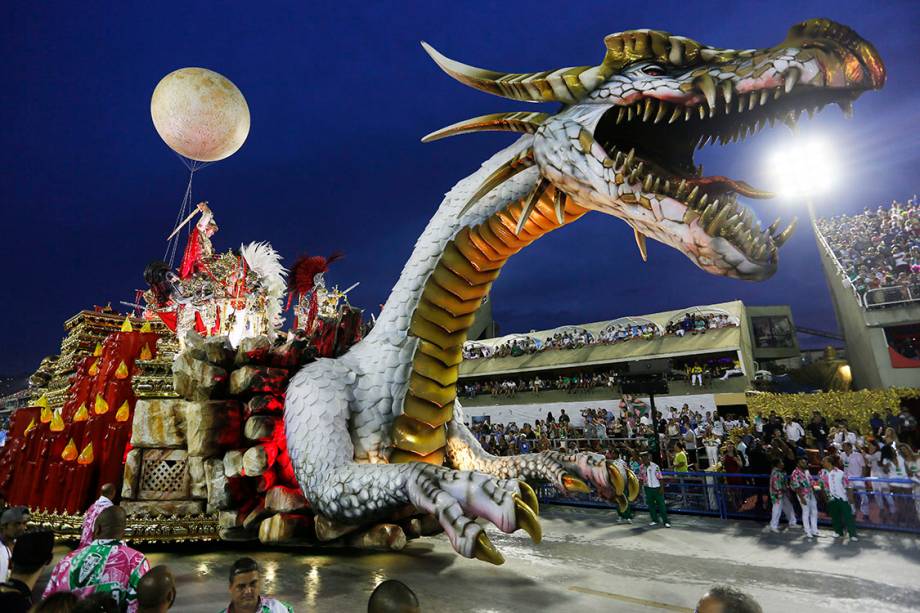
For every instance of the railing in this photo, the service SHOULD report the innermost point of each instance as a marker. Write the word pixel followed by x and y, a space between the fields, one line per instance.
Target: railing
pixel 882 504
pixel 894 294
pixel 873 298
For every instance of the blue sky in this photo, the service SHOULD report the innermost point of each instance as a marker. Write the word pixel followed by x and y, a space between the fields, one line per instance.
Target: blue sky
pixel 340 93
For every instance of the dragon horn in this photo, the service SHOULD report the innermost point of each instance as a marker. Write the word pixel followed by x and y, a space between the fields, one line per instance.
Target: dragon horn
pixel 524 122
pixel 566 85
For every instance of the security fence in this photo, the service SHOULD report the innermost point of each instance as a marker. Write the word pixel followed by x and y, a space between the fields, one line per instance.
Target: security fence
pixel 883 504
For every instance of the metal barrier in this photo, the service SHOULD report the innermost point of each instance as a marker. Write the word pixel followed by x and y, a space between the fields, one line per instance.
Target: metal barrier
pixel 893 294
pixel 882 504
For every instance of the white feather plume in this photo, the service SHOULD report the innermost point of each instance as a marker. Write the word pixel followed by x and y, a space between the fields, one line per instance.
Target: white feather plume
pixel 266 262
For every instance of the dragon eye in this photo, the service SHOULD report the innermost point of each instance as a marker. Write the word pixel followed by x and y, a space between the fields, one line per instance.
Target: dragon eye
pixel 653 70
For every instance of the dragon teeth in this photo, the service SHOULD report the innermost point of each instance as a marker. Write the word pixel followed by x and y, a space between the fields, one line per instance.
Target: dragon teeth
pixel 791 78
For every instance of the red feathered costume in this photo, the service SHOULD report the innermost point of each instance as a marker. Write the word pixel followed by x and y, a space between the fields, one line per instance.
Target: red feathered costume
pixel 302 279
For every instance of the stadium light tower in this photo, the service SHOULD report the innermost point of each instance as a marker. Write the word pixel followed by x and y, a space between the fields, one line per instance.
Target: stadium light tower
pixel 805 169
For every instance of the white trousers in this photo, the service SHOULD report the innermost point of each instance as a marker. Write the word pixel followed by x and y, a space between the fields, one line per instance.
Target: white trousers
pixel 810 514
pixel 712 454
pixel 696 380
pixel 783 506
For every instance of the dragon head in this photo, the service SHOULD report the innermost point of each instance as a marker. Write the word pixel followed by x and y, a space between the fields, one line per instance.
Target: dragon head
pixel 624 140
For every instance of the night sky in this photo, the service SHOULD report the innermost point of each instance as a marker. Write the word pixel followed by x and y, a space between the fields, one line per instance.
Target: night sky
pixel 340 94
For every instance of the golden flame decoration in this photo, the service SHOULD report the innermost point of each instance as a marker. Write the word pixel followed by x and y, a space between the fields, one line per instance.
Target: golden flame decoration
pixel 122 371
pixel 42 402
pixel 86 456
pixel 146 327
pixel 98 350
pixel 70 451
pixel 124 412
pixel 82 413
pixel 57 422
pixel 101 407
pixel 94 368
pixel 146 354
pixel 126 326
pixel 46 415
pixel 32 425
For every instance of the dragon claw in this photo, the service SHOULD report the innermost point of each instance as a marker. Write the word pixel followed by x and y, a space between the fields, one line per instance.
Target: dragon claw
pixel 527 520
pixel 574 485
pixel 632 485
pixel 529 497
pixel 616 479
pixel 484 550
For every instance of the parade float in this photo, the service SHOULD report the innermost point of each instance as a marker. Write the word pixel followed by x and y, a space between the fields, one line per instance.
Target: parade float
pixel 219 424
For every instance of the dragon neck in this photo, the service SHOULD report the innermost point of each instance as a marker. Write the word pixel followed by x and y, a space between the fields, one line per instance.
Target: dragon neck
pixel 466 267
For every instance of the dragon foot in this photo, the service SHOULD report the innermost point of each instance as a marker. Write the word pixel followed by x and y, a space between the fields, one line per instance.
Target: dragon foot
pixel 456 498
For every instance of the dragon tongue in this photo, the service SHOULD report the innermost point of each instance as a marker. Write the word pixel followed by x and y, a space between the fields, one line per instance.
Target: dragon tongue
pixel 740 187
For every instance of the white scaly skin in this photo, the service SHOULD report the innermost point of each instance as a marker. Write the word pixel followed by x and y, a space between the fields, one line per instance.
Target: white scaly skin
pixel 339 413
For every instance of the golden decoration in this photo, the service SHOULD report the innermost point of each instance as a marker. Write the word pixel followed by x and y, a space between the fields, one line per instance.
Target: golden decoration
pixel 42 402
pixel 146 327
pixel 57 422
pixel 124 412
pixel 126 326
pixel 86 456
pixel 856 407
pixel 122 371
pixel 32 425
pixel 70 451
pixel 94 368
pixel 82 413
pixel 98 350
pixel 46 415
pixel 146 354
pixel 101 407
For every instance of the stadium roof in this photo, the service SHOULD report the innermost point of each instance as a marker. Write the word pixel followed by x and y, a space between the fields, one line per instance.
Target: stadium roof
pixel 724 339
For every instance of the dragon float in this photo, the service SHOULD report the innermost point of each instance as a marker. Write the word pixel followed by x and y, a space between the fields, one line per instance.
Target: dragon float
pixel 380 427
pixel 366 437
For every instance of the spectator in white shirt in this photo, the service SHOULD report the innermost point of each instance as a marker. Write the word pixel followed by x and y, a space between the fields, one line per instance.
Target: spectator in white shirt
pixel 794 430
pixel 854 465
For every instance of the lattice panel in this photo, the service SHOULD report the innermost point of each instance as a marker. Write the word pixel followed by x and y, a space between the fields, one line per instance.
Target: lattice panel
pixel 164 475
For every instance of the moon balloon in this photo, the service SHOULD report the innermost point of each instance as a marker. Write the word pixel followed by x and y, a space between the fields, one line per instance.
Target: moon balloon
pixel 200 114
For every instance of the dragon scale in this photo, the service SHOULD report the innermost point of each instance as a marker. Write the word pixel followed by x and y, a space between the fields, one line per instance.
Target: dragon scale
pixel 449 300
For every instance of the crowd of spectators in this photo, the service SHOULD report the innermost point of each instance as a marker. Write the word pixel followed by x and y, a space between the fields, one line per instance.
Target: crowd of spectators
pixel 575 338
pixel 572 383
pixel 695 371
pixel 688 439
pixel 879 250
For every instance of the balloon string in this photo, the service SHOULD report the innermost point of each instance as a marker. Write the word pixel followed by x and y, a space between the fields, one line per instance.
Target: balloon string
pixel 173 244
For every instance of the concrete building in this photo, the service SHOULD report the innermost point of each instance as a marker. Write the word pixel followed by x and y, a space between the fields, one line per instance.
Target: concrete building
pixel 873 325
pixel 747 342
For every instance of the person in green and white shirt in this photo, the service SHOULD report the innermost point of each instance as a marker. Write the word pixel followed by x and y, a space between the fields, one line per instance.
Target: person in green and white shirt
pixel 246 591
pixel 654 492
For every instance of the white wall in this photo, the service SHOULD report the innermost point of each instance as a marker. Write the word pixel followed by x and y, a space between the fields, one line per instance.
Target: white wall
pixel 529 413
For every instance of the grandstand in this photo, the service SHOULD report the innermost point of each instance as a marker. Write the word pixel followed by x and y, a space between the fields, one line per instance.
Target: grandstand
pixel 578 366
pixel 872 264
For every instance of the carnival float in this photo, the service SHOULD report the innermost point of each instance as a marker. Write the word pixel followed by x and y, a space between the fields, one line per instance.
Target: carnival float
pixel 219 423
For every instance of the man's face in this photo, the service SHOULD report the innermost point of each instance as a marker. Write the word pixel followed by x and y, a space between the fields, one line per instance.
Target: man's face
pixel 245 590
pixel 14 529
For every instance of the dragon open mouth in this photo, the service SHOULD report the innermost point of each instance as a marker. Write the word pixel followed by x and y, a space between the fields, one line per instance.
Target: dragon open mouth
pixel 666 96
pixel 658 140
